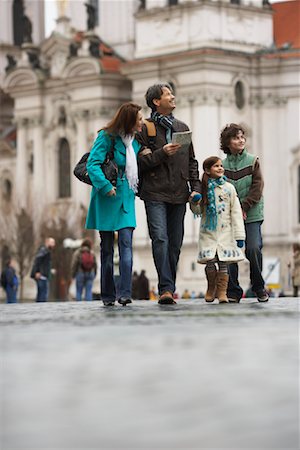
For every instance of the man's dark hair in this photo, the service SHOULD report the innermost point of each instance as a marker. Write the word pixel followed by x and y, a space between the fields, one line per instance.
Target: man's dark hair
pixel 227 133
pixel 155 92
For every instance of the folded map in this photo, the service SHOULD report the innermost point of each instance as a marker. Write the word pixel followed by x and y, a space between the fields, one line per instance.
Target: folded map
pixel 182 137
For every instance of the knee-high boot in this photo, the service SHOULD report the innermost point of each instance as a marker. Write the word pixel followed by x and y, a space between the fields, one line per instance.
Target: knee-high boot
pixel 211 285
pixel 222 283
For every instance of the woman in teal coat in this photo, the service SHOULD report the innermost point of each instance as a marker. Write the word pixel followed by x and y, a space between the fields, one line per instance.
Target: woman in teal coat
pixel 113 208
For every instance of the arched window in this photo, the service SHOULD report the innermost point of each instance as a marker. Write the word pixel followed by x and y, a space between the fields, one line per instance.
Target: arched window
pixel 64 169
pixel 239 93
pixel 298 200
pixel 6 190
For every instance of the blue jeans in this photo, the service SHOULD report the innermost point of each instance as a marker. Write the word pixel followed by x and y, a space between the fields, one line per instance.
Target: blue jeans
pixel 166 228
pixel 11 294
pixel 254 247
pixel 84 280
pixel 108 287
pixel 42 290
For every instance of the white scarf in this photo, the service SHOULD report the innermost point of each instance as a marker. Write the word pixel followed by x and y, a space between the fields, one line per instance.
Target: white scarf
pixel 131 169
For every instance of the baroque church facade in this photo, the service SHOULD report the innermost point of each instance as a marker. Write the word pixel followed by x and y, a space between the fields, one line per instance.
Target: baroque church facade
pixel 228 61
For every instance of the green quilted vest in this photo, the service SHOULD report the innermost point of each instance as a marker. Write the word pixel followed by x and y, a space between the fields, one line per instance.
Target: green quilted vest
pixel 239 169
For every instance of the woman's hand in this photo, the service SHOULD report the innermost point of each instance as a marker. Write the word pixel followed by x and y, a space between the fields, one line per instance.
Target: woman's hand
pixel 112 193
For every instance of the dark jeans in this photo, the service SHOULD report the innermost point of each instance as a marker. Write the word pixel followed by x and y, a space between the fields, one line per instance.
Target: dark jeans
pixel 254 255
pixel 42 290
pixel 84 280
pixel 11 294
pixel 166 228
pixel 108 287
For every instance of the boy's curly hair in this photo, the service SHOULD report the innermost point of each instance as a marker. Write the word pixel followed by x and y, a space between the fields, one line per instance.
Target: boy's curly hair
pixel 227 133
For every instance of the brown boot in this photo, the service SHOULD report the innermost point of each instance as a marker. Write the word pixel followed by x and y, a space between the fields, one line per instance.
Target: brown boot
pixel 210 294
pixel 222 283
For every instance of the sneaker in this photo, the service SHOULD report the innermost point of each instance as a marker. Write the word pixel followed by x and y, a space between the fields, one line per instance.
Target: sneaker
pixel 108 303
pixel 262 296
pixel 124 301
pixel 233 300
pixel 166 298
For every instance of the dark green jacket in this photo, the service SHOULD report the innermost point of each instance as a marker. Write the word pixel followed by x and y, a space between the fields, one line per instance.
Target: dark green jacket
pixel 243 171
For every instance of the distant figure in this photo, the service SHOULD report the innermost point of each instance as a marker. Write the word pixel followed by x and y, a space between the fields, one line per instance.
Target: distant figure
pixel 84 270
pixel 143 286
pixel 135 285
pixel 27 29
pixel 91 12
pixel 186 294
pixel 10 282
pixel 296 269
pixel 41 269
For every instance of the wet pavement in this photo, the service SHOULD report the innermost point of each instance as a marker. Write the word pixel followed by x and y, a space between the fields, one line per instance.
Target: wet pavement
pixel 188 376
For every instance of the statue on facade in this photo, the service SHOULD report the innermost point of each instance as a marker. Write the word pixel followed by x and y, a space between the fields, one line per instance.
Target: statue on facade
pixel 73 49
pixel 34 60
pixel 61 6
pixel 91 12
pixel 94 48
pixel 62 116
pixel 11 63
pixel 27 29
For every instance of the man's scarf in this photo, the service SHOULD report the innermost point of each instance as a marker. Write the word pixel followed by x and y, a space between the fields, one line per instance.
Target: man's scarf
pixel 166 122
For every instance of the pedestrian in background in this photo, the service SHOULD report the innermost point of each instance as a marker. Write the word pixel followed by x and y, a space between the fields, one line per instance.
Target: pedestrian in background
pixel 296 269
pixel 143 286
pixel 41 269
pixel 135 285
pixel 243 170
pixel 222 231
pixel 84 270
pixel 10 281
pixel 113 208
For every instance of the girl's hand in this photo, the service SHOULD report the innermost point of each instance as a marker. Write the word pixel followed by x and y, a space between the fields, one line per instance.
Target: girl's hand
pixel 112 193
pixel 244 215
pixel 195 197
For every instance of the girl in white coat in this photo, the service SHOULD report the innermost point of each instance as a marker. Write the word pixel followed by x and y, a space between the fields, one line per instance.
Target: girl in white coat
pixel 222 232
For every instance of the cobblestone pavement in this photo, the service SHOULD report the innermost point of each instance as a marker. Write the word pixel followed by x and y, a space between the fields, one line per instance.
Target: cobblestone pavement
pixel 81 376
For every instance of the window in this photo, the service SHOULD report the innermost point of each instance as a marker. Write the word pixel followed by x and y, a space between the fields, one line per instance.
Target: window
pixel 239 93
pixel 298 195
pixel 6 190
pixel 18 13
pixel 172 2
pixel 64 168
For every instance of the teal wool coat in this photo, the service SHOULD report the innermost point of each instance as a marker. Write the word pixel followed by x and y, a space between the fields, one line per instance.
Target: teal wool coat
pixel 110 213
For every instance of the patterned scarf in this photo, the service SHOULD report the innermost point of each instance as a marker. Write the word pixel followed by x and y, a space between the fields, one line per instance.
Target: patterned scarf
pixel 164 121
pixel 211 210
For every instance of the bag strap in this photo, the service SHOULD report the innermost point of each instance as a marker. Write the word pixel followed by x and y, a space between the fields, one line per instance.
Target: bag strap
pixel 151 131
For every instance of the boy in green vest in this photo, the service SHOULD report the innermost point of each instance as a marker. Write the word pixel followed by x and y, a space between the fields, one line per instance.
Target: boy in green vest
pixel 243 171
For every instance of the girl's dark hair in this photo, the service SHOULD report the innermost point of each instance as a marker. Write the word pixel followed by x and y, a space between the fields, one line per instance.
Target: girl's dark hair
pixel 155 92
pixel 207 164
pixel 230 131
pixel 87 242
pixel 124 119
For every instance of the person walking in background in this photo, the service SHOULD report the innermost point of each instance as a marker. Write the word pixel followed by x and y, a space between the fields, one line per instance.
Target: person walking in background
pixel 243 170
pixel 222 232
pixel 10 281
pixel 84 269
pixel 113 208
pixel 143 286
pixel 168 174
pixel 135 286
pixel 41 269
pixel 296 269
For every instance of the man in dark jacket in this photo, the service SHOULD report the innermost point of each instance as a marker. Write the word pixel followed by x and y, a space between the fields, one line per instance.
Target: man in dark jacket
pixel 41 269
pixel 169 177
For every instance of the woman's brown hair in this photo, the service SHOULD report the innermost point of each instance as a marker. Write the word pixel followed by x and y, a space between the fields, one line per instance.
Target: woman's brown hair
pixel 230 131
pixel 124 119
pixel 207 165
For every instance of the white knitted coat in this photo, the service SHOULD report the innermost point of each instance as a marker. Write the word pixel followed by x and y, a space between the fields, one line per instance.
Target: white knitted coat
pixel 230 228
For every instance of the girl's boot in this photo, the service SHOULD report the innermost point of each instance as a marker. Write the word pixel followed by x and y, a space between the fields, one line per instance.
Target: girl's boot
pixel 211 285
pixel 222 283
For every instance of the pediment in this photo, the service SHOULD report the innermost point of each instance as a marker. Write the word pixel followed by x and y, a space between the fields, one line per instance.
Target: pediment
pixel 81 67
pixel 20 77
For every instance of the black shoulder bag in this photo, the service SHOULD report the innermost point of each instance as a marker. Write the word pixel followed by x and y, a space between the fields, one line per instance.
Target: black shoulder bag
pixel 109 167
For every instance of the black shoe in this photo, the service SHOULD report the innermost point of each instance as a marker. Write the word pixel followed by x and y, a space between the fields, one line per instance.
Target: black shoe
pixel 262 296
pixel 124 301
pixel 233 299
pixel 108 303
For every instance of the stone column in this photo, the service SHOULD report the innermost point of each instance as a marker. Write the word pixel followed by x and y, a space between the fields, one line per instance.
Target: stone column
pixel 39 181
pixel 21 163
